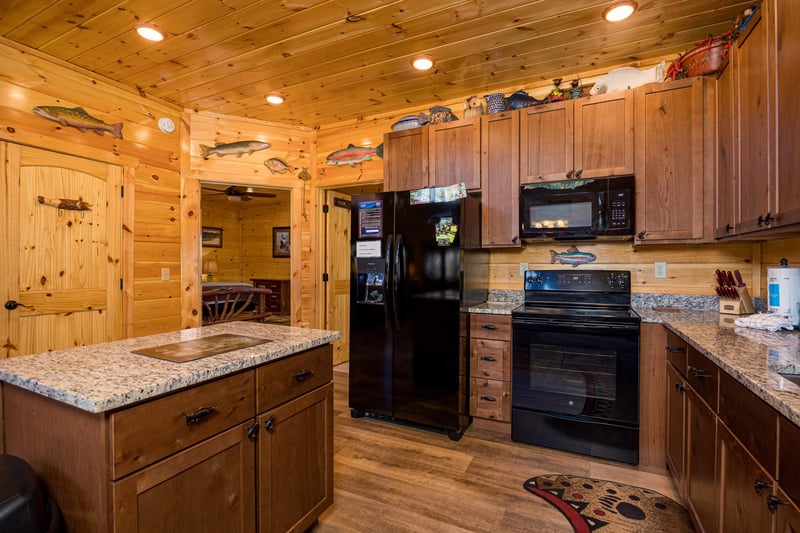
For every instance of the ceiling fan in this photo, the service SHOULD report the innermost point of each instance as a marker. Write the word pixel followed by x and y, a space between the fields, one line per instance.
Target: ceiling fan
pixel 237 194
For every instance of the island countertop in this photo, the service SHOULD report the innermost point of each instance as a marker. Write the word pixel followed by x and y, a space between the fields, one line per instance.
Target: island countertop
pixel 106 376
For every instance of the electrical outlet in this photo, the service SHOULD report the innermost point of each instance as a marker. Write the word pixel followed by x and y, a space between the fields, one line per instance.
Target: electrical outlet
pixel 660 270
pixel 165 274
pixel 522 268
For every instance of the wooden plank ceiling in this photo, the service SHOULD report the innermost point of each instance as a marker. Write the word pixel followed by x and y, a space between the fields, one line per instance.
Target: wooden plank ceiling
pixel 223 56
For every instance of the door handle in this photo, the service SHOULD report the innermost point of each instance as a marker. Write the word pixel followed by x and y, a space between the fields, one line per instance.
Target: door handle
pixel 12 304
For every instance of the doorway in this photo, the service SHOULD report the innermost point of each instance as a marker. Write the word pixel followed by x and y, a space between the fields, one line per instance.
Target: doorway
pixel 246 241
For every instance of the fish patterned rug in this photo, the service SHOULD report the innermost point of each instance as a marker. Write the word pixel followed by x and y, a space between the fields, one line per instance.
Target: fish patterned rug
pixel 609 507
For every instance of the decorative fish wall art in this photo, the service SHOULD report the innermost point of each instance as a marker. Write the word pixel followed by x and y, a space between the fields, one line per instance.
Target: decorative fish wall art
pixel 77 117
pixel 354 154
pixel 236 148
pixel 572 256
pixel 277 165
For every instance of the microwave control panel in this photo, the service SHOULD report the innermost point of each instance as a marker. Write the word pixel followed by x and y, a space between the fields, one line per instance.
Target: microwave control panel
pixel 619 210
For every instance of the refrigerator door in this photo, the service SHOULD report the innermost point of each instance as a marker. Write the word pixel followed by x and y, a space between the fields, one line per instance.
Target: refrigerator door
pixel 426 292
pixel 371 334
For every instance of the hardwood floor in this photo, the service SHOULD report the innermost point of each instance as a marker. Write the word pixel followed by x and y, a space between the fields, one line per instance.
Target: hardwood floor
pixel 390 477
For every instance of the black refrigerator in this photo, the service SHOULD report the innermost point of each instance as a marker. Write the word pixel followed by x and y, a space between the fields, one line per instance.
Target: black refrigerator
pixel 415 267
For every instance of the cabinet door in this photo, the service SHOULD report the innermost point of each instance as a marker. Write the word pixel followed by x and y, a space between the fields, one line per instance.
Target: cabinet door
pixel 546 143
pixel 455 153
pixel 295 462
pixel 727 163
pixel 744 488
pixel 669 160
pixel 219 476
pixel 753 96
pixel 603 135
pixel 787 72
pixel 701 489
pixel 405 160
pixel 500 180
pixel 787 516
pixel 676 425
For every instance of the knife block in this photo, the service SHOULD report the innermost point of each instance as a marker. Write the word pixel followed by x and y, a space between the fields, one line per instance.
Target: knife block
pixel 742 306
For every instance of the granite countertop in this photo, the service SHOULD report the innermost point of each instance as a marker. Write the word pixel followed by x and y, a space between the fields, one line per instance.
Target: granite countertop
pixel 494 308
pixel 107 376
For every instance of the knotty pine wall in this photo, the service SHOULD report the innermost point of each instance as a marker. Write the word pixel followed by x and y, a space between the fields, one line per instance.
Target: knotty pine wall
pixel 150 159
pixel 247 237
pixel 293 145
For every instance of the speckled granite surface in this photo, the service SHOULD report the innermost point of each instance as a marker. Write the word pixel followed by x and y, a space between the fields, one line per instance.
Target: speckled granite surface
pixel 106 376
pixel 495 308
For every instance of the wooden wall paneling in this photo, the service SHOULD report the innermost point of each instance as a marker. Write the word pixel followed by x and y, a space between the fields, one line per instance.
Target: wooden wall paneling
pixel 128 257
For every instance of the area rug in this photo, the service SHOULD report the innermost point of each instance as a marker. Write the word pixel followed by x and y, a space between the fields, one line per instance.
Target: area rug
pixel 597 505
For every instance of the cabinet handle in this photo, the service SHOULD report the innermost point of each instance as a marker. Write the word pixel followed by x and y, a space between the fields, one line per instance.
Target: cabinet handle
pixel 569 174
pixel 252 431
pixel 514 239
pixel 761 220
pixel 759 485
pixel 698 372
pixel 303 374
pixel 269 423
pixel 578 173
pixel 640 235
pixel 680 388
pixel 773 502
pixel 672 349
pixel 200 414
pixel 489 326
pixel 489 398
pixel 728 228
pixel 768 220
pixel 488 358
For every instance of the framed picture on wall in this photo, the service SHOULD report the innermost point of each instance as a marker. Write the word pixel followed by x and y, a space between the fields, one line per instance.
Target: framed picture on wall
pixel 280 241
pixel 212 237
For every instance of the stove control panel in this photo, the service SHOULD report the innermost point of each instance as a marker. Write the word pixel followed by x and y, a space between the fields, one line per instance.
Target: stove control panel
pixel 584 281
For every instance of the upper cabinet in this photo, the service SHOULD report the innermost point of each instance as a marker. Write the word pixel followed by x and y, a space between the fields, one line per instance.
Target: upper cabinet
pixel 674 160
pixel 500 171
pixel 585 138
pixel 759 123
pixel 433 156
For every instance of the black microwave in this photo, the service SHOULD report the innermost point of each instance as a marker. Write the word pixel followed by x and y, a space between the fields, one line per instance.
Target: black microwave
pixel 580 209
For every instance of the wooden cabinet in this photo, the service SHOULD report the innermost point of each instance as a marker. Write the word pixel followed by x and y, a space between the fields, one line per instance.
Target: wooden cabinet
pixel 490 371
pixel 500 179
pixel 700 484
pixel 727 165
pixel 674 160
pixel 787 515
pixel 433 156
pixel 251 449
pixel 278 301
pixel 676 425
pixel 585 138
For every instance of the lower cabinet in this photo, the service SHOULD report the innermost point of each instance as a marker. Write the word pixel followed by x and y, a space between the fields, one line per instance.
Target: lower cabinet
pixel 676 425
pixel 490 371
pixel 700 496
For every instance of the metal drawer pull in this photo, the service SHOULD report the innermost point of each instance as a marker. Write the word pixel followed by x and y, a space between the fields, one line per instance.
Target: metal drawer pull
pixel 758 485
pixel 269 423
pixel 698 372
pixel 489 326
pixel 680 388
pixel 252 431
pixel 199 415
pixel 303 374
pixel 773 502
pixel 488 358
pixel 489 398
pixel 672 349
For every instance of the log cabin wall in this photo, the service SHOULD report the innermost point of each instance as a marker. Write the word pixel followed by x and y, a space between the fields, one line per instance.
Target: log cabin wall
pixel 150 161
pixel 296 147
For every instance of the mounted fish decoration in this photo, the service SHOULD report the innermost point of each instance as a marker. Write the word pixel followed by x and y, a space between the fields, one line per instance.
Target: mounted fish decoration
pixel 438 115
pixel 572 256
pixel 77 117
pixel 521 99
pixel 276 165
pixel 354 154
pixel 65 203
pixel 406 123
pixel 236 148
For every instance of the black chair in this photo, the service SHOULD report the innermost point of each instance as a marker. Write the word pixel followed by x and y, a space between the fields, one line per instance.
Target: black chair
pixel 25 507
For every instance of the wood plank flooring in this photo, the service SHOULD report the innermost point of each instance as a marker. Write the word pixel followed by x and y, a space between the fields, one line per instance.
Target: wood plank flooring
pixel 390 477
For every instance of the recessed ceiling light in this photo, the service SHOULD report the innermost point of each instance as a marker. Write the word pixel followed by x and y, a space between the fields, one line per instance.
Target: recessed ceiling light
pixel 422 62
pixel 275 98
pixel 149 32
pixel 620 11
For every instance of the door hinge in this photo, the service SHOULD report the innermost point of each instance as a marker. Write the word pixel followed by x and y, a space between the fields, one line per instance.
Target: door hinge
pixel 122 191
pixel 120 283
pixel 325 277
pixel 325 208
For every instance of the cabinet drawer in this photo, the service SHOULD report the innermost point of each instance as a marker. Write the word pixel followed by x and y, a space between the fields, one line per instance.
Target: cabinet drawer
pixel 789 459
pixel 287 378
pixel 490 398
pixel 145 433
pixel 749 418
pixel 490 359
pixel 490 326
pixel 703 376
pixel 677 349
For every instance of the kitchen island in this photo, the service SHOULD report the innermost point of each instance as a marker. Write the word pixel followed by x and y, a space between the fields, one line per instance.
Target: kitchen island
pixel 238 441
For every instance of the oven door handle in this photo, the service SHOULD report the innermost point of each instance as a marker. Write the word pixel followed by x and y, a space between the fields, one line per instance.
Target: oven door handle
pixel 527 324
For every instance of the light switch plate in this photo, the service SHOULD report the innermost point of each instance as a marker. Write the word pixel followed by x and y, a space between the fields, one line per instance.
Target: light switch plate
pixel 660 270
pixel 522 268
pixel 165 274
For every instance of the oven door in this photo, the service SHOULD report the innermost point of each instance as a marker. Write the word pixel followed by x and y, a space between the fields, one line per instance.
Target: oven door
pixel 576 386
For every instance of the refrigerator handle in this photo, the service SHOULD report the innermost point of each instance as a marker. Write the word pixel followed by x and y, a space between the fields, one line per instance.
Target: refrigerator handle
pixel 398 275
pixel 387 253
